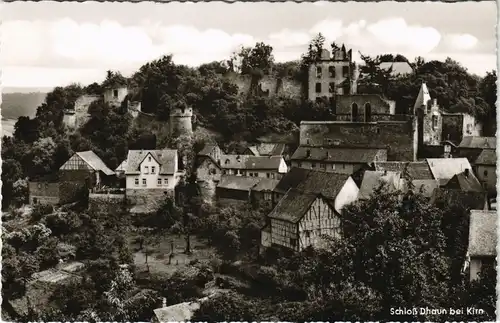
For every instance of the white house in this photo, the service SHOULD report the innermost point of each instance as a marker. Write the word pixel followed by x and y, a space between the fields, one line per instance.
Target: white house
pixel 150 175
pixel 254 166
pixel 482 241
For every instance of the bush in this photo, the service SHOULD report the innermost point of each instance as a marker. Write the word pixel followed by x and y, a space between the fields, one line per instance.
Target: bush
pixel 39 210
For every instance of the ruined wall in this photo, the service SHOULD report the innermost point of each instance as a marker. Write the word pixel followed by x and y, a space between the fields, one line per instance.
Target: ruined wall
pixel 378 104
pixel 276 86
pixel 115 97
pixel 82 105
pixel 471 126
pixel 452 128
pixel 69 119
pixel 397 136
pixel 330 79
pixel 432 132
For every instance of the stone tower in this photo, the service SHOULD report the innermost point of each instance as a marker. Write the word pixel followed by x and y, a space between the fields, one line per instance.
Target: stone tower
pixel 430 121
pixel 181 121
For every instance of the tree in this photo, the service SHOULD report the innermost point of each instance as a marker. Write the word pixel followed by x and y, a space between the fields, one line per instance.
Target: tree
pixel 256 60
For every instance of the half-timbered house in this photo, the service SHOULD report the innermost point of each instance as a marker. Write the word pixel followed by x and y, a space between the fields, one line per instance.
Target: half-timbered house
pixel 88 168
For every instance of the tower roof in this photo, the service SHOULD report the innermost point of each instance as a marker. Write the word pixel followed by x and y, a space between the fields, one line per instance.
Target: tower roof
pixel 423 97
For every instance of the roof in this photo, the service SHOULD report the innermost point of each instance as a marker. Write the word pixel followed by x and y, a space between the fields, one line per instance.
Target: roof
pixel 337 154
pixel 423 97
pixel 207 150
pixel 446 168
pixel 94 162
pixel 427 186
pixel 266 184
pixel 416 170
pixel 372 179
pixel 398 68
pixel 478 142
pixel 312 181
pixel 181 312
pixel 254 150
pixel 293 205
pixel 250 162
pixel 166 158
pixel 466 182
pixel 473 200
pixel 243 183
pixel 487 157
pixel 482 233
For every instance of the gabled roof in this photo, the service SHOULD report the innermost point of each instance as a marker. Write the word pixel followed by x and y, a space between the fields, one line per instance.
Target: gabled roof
pixel 482 233
pixel 487 157
pixel 446 168
pixel 398 68
pixel 423 97
pixel 416 170
pixel 242 183
pixel 94 162
pixel 181 312
pixel 254 150
pixel 465 181
pixel 293 205
pixel 267 149
pixel 337 154
pixel 266 184
pixel 207 150
pixel 478 142
pixel 372 180
pixel 250 162
pixel 312 181
pixel 425 186
pixel 166 158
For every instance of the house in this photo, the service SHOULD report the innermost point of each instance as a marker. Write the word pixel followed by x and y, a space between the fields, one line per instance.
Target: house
pixel 465 181
pixel 44 190
pixel 478 142
pixel 398 68
pixel 331 185
pixel 336 159
pixel 182 312
pixel 235 188
pixel 486 169
pixel 150 176
pixel 211 150
pixel 481 251
pixel 373 179
pixel 443 169
pixel 471 199
pixel 415 170
pixel 88 168
pixel 263 190
pixel 254 166
pixel 266 149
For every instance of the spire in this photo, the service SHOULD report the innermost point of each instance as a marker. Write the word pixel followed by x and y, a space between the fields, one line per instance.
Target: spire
pixel 423 98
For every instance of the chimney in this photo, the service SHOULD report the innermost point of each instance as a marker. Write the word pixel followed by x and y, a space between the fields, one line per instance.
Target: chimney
pixel 164 303
pixel 434 102
pixel 466 172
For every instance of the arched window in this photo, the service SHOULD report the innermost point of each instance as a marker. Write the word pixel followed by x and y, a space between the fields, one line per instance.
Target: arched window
pixel 368 112
pixel 226 162
pixel 354 112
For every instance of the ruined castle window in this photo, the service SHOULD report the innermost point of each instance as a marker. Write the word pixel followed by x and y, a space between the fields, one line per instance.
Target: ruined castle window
pixel 434 122
pixel 368 112
pixel 318 72
pixel 331 71
pixel 158 182
pixel 115 93
pixel 485 173
pixel 318 87
pixel 331 87
pixel 144 182
pixel 153 170
pixel 354 112
pixel 345 71
pixel 136 182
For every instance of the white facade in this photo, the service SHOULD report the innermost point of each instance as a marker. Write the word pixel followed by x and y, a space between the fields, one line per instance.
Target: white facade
pixel 149 177
pixel 114 97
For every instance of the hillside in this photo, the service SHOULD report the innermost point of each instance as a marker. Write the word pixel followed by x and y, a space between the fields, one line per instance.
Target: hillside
pixel 15 105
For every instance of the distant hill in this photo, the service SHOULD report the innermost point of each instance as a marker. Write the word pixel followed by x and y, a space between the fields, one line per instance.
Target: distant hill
pixel 15 105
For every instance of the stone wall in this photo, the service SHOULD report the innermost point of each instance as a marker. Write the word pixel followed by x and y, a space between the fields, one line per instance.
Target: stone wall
pixel 399 137
pixel 378 104
pixel 276 86
pixel 43 193
pixel 106 202
pixel 82 105
pixel 432 134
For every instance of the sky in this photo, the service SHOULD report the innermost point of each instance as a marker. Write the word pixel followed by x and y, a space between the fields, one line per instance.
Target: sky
pixel 47 44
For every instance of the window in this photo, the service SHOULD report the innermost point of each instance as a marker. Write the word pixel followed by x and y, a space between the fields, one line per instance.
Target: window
pixel 322 165
pixel 434 122
pixel 299 164
pixel 165 181
pixel 319 72
pixel 331 87
pixel 226 162
pixel 293 242
pixel 308 234
pixel 368 112
pixel 39 185
pixel 153 170
pixel 115 93
pixel 331 71
pixel 485 172
pixel 146 169
pixel 158 182
pixel 268 175
pixel 318 87
pixel 333 166
pixel 149 158
pixel 343 166
pixel 143 182
pixel 469 128
pixel 354 112
pixel 345 71
pixel 313 165
pixel 136 182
